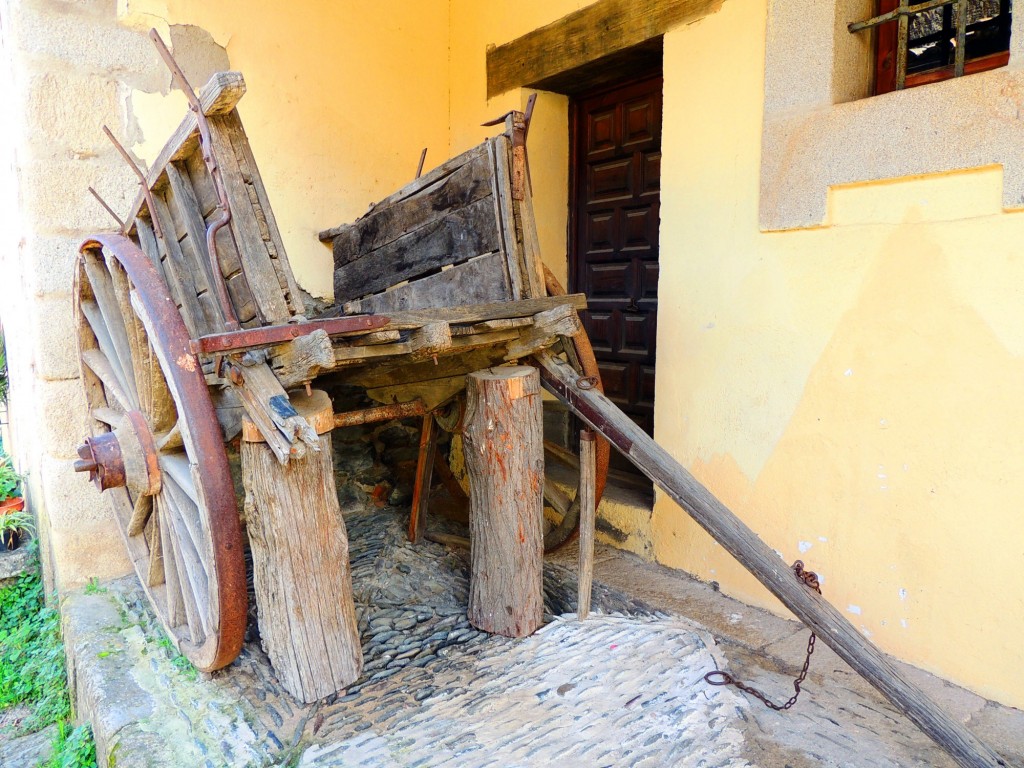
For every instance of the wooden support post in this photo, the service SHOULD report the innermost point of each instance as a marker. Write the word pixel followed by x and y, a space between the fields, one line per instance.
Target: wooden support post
pixel 424 471
pixel 713 516
pixel 505 461
pixel 300 558
pixel 588 519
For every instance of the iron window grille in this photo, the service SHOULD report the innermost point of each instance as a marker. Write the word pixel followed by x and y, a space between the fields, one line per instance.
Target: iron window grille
pixel 937 39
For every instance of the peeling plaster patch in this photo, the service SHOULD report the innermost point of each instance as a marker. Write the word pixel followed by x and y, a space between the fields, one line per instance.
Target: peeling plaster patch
pixel 883 423
pixel 903 623
pixel 735 618
pixel 903 594
pixel 848 372
pixel 823 538
pixel 854 609
pixel 803 546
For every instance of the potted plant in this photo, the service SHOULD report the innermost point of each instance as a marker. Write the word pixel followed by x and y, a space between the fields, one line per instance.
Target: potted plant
pixel 14 521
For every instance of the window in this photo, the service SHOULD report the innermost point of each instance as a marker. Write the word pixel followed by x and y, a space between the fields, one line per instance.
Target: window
pixel 936 40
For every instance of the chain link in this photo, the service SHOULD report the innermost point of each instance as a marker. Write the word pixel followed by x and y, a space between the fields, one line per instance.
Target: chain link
pixel 718 677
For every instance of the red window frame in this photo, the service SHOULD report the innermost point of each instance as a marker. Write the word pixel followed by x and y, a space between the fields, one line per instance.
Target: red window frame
pixel 885 59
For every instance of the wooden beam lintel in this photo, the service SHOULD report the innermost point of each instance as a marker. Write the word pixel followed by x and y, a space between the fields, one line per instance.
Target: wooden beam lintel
pixel 591 33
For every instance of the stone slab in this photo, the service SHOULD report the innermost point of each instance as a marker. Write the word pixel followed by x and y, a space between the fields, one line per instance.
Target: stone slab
pixel 29 751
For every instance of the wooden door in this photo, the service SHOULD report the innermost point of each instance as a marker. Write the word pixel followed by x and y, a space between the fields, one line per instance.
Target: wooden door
pixel 615 151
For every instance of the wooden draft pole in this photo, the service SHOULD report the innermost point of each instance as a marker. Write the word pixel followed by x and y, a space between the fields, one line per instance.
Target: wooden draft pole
pixel 300 557
pixel 504 445
pixel 757 557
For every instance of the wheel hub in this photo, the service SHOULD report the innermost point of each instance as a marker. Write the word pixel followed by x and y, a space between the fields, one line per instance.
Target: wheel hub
pixel 124 457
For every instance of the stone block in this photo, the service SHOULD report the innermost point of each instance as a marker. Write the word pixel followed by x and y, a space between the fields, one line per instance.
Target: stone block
pixel 49 262
pixel 64 111
pixel 88 40
pixel 83 538
pixel 54 338
pixel 55 193
pixel 62 417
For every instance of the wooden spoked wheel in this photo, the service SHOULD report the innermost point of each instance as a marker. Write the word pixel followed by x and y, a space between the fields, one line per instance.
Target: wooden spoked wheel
pixel 157 451
pixel 562 508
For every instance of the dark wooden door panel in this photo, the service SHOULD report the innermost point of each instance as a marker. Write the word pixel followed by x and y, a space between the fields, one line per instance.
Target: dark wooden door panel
pixel 616 151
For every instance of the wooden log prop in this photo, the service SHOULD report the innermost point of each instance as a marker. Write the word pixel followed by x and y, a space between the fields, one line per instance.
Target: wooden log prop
pixel 504 451
pixel 758 558
pixel 300 557
pixel 588 521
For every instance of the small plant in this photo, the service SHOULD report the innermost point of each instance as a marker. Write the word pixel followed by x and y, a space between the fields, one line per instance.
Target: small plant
pixel 10 480
pixel 72 748
pixel 15 527
pixel 32 654
pixel 93 587
pixel 180 662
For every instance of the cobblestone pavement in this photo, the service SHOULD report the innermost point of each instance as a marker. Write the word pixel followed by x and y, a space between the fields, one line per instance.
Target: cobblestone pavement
pixel 623 688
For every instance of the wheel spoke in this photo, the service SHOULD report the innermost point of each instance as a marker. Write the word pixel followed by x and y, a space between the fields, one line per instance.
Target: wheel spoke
pixel 154 539
pixel 177 466
pixel 154 398
pixel 100 365
pixel 555 498
pixel 184 608
pixel 106 300
pixel 187 512
pixel 141 512
pixel 172 440
pixel 94 318
pixel 194 589
pixel 109 416
pixel 564 455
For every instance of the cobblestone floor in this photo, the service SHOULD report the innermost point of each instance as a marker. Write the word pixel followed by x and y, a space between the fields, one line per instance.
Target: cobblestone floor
pixel 623 688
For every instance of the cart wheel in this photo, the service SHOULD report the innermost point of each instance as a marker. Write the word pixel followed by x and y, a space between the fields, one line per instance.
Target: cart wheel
pixel 157 452
pixel 561 508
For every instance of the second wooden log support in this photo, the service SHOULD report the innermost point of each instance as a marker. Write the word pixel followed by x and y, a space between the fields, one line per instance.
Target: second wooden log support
pixel 300 559
pixel 505 462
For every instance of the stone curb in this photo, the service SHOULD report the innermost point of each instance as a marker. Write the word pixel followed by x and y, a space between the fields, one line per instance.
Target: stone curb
pixel 104 691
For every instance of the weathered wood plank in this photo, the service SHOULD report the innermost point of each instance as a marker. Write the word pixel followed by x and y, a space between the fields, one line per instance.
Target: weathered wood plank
pixel 762 561
pixel 177 277
pixel 261 276
pixel 301 566
pixel 266 220
pixel 268 407
pixel 385 224
pixel 413 187
pixel 547 327
pixel 511 237
pixel 458 237
pixel 218 96
pixel 505 461
pixel 186 265
pixel 481 280
pixel 599 30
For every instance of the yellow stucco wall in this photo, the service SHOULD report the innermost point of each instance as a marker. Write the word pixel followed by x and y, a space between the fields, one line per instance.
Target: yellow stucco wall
pixel 851 391
pixel 342 97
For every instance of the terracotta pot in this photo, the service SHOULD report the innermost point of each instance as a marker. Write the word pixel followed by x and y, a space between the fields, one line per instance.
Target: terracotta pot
pixel 12 504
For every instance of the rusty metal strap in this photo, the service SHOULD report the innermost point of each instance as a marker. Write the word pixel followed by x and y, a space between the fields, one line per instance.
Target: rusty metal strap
pixel 266 336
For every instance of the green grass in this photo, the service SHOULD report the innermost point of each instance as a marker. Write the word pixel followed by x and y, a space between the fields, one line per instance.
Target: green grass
pixel 32 670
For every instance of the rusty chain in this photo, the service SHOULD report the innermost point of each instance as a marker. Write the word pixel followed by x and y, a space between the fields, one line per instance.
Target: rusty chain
pixel 810 578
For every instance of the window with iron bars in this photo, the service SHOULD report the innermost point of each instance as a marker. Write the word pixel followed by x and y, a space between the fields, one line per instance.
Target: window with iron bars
pixel 929 41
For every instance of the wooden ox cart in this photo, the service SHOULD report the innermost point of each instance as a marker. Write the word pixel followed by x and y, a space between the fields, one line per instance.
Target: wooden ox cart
pixel 191 330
